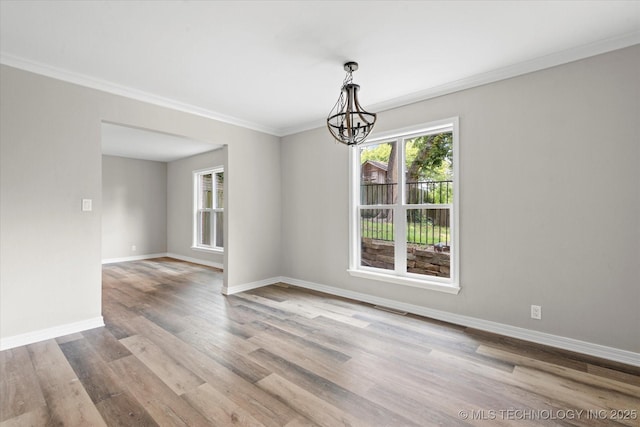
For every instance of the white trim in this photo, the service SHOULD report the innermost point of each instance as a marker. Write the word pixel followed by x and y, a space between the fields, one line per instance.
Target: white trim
pixel 408 132
pixel 195 260
pixel 209 250
pixel 400 212
pixel 399 274
pixel 570 344
pixel 197 209
pixel 49 333
pixel 354 194
pixel 406 281
pixel 518 69
pixel 133 258
pixel 128 92
pixel 536 64
pixel 454 225
pixel 213 169
pixel 165 255
pixel 226 290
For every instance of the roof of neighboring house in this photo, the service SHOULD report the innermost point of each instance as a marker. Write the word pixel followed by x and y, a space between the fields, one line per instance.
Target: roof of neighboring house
pixel 379 165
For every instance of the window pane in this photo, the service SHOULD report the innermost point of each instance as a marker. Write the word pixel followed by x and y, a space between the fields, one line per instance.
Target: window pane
pixel 220 190
pixel 436 192
pixel 206 191
pixel 421 247
pixel 377 238
pixel 204 228
pixel 429 169
pixel 429 241
pixel 379 174
pixel 219 229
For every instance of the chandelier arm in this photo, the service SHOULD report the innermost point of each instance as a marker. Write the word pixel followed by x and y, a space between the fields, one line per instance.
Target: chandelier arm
pixel 362 111
pixel 349 111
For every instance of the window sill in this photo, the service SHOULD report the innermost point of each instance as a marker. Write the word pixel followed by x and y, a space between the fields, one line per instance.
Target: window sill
pixel 214 250
pixel 406 281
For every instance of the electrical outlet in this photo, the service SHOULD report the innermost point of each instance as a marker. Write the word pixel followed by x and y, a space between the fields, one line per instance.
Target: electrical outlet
pixel 536 312
pixel 133 248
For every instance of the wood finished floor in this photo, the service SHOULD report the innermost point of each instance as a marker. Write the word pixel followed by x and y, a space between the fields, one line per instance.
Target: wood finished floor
pixel 175 352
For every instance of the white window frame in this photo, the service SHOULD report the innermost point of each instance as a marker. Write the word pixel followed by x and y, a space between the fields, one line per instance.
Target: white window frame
pixel 399 275
pixel 197 209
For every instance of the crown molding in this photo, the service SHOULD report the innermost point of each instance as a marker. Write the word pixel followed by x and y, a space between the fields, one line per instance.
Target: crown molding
pixel 128 92
pixel 536 64
pixel 521 68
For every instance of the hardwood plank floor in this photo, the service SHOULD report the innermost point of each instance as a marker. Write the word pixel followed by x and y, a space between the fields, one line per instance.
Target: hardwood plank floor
pixel 175 352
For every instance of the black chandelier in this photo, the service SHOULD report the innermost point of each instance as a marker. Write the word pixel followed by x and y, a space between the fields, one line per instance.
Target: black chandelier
pixel 348 122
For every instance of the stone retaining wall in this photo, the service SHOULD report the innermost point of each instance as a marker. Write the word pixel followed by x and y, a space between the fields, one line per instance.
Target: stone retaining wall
pixel 420 259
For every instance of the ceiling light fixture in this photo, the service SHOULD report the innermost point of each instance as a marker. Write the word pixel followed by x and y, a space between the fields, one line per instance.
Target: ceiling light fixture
pixel 348 122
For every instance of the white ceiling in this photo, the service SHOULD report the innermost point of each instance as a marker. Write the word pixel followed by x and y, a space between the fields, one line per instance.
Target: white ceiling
pixel 124 141
pixel 277 66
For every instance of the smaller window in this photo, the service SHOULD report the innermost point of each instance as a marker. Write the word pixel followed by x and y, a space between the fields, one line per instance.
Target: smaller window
pixel 208 222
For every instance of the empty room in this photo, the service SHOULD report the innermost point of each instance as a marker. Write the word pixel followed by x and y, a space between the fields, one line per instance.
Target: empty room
pixel 319 213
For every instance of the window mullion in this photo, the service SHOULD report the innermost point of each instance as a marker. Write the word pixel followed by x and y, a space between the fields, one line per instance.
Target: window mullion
pixel 400 225
pixel 355 214
pixel 400 213
pixel 389 228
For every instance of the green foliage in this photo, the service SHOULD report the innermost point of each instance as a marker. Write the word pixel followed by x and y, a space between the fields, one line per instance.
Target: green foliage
pixel 376 229
pixel 438 192
pixel 424 233
pixel 430 157
pixel 378 153
pixel 427 234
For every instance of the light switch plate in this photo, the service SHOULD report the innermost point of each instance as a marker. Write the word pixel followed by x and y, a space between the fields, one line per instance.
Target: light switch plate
pixel 86 205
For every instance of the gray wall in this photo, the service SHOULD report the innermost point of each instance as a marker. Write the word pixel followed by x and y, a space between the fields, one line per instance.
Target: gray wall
pixel 180 204
pixel 542 157
pixel 550 202
pixel 50 159
pixel 134 207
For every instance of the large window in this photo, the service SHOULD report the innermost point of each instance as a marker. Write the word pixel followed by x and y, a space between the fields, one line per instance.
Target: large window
pixel 209 209
pixel 404 208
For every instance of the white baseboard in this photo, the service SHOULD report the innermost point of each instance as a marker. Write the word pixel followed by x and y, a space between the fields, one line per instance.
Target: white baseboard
pixel 248 286
pixel 162 255
pixel 49 333
pixel 133 258
pixel 597 350
pixel 195 260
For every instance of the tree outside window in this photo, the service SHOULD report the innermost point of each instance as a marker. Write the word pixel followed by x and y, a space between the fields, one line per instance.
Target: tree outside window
pixel 405 209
